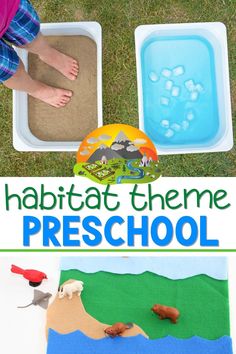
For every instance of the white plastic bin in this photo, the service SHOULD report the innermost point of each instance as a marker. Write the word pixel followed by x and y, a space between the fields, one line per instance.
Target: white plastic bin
pixel 23 139
pixel 212 35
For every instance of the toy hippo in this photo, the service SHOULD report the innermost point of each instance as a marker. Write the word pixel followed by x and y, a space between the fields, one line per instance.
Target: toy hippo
pixel 166 312
pixel 117 329
pixel 76 286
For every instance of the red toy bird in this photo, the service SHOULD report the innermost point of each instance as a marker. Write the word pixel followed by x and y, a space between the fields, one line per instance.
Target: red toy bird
pixel 35 277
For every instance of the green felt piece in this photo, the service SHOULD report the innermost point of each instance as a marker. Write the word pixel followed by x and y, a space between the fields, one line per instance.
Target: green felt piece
pixel 202 301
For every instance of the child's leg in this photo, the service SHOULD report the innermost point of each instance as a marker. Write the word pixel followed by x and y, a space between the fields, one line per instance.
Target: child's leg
pixel 24 31
pixel 21 81
pixel 63 63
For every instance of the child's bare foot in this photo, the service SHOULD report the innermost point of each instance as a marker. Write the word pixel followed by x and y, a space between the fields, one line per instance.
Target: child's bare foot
pixel 53 96
pixel 66 65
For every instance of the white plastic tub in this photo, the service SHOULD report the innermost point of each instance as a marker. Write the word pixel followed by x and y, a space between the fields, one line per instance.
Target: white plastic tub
pixel 151 55
pixel 23 139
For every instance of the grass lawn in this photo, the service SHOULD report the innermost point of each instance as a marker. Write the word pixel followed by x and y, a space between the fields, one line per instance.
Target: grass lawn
pixel 119 18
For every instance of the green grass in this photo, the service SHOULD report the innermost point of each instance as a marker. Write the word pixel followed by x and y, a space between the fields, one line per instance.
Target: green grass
pixel 201 300
pixel 119 18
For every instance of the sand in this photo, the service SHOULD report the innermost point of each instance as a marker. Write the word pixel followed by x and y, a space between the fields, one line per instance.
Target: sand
pixel 79 117
pixel 66 316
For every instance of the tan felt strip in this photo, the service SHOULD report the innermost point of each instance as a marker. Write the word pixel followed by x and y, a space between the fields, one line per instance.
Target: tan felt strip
pixel 66 316
pixel 75 121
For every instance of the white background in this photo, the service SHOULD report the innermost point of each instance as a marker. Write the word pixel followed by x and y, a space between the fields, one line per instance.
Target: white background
pixel 24 330
pixel 221 223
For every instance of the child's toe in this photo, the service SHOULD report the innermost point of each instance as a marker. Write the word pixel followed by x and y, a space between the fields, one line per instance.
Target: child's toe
pixel 74 72
pixel 68 93
pixel 75 63
pixel 73 77
pixel 65 99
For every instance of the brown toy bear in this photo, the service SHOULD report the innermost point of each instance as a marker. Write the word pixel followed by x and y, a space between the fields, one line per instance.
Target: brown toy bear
pixel 166 312
pixel 117 329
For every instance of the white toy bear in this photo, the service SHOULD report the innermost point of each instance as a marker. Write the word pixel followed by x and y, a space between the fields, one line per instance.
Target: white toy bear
pixel 70 288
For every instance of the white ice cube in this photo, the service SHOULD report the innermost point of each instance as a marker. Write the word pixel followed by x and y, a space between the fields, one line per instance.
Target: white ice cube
pixel 165 123
pixel 169 85
pixel 185 124
pixel 190 115
pixel 194 96
pixel 166 72
pixel 190 85
pixel 178 71
pixel 169 133
pixel 175 91
pixel 165 101
pixel 176 127
pixel 199 88
pixel 153 76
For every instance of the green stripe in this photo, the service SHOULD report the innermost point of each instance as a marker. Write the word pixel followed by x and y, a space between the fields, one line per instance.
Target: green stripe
pixel 116 250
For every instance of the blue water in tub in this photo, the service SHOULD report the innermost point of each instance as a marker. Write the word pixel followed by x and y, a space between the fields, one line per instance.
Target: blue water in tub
pixel 180 101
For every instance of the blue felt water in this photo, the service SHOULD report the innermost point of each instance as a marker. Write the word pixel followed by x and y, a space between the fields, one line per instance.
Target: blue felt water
pixel 179 91
pixel 78 343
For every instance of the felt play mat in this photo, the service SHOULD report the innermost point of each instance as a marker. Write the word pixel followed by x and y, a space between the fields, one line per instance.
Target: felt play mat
pixel 66 316
pixel 77 342
pixel 123 289
pixel 202 301
pixel 169 267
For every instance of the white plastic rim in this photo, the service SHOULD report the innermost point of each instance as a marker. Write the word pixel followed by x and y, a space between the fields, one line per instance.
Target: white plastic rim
pixel 216 34
pixel 23 139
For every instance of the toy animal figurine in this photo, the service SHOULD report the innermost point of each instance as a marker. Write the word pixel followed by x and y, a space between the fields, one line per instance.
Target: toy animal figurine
pixel 166 312
pixel 35 277
pixel 40 299
pixel 117 329
pixel 70 288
